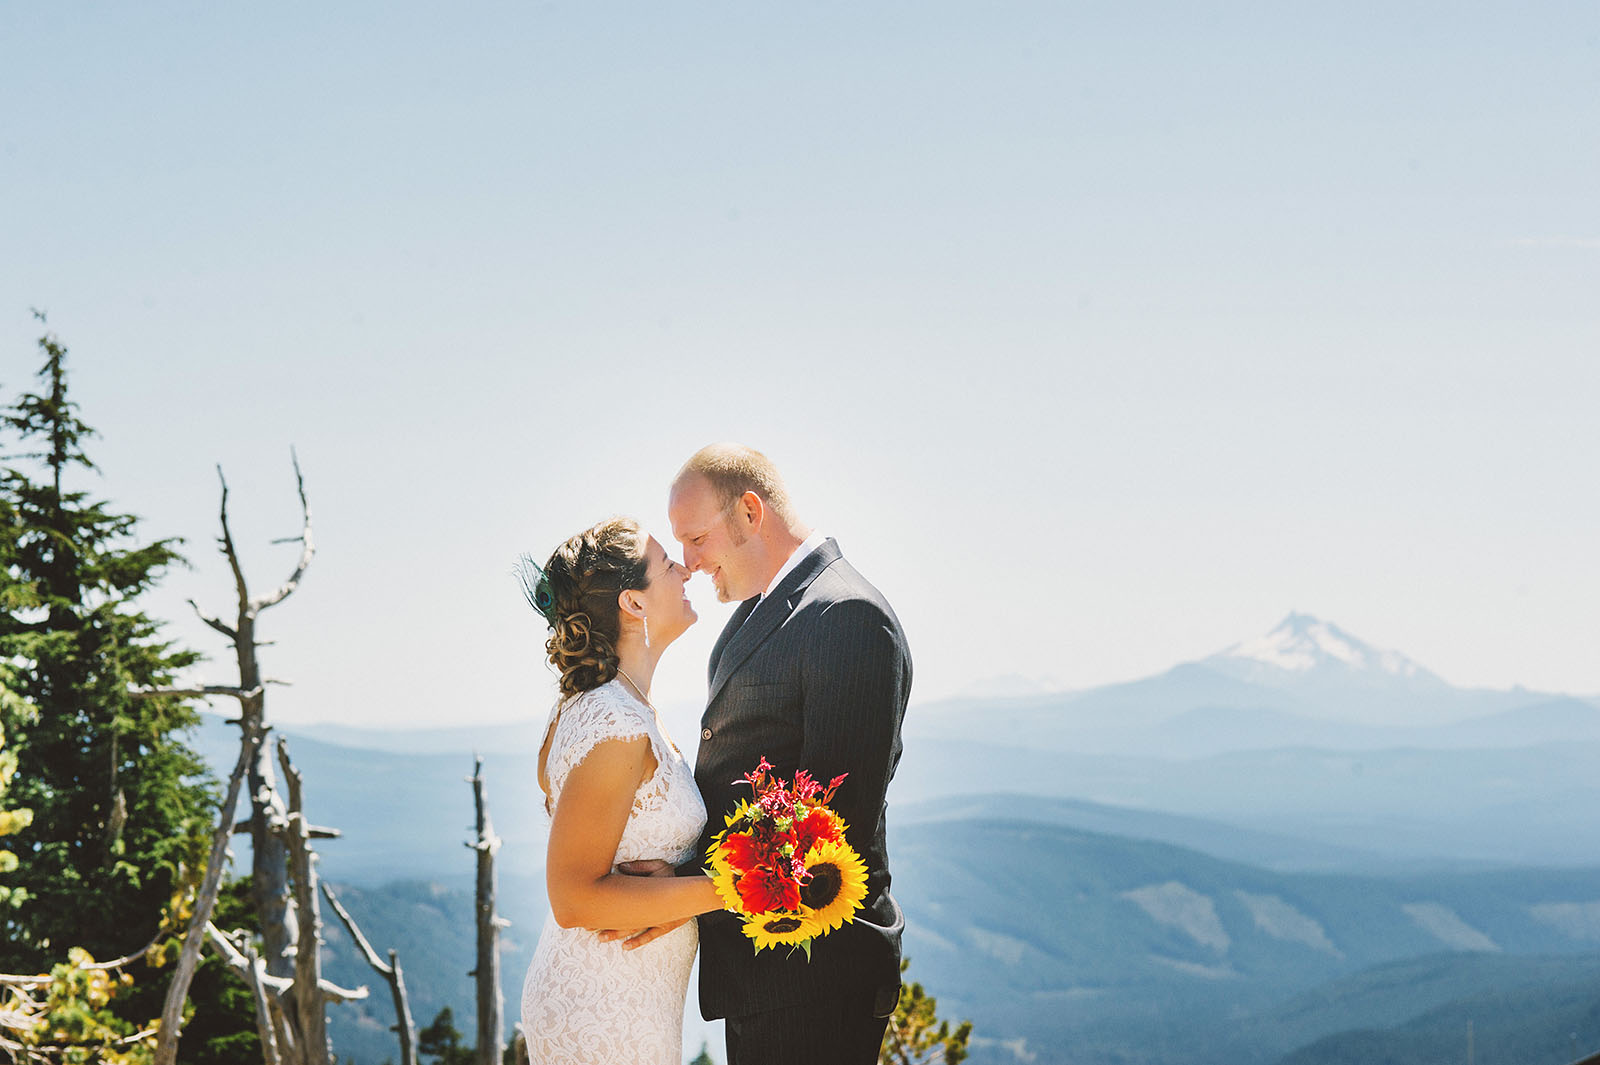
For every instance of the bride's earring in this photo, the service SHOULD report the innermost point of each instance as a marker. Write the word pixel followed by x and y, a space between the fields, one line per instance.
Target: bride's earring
pixel 644 619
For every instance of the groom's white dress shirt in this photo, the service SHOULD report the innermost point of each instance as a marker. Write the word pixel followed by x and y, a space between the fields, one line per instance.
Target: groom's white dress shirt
pixel 808 545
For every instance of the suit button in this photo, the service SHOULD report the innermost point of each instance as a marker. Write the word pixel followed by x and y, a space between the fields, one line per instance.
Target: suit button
pixel 705 734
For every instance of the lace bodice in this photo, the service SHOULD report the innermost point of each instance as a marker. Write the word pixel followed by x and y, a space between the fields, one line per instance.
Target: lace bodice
pixel 590 1003
pixel 667 812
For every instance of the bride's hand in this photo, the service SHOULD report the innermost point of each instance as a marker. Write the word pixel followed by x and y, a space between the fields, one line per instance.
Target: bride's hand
pixel 638 937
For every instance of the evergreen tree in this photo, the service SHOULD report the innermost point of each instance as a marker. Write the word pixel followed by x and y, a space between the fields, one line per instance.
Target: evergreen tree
pixel 441 1041
pixel 916 1036
pixel 119 802
pixel 13 712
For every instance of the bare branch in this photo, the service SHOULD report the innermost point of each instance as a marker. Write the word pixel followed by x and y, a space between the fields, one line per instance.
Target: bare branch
pixel 196 693
pixel 43 979
pixel 228 548
pixel 227 630
pixel 235 955
pixel 249 964
pixel 334 993
pixel 291 775
pixel 355 932
pixel 404 1025
pixel 189 957
pixel 308 547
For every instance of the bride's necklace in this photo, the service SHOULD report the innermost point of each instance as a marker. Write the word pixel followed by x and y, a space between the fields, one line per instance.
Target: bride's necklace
pixel 640 692
pixel 637 690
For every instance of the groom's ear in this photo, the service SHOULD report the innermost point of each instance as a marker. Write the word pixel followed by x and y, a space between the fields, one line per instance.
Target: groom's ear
pixel 751 510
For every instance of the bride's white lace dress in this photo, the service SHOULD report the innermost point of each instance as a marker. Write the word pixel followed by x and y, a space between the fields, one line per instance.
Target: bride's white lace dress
pixel 590 1003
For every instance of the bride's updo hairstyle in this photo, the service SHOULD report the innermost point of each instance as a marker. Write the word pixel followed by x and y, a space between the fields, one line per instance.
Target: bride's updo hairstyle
pixel 585 575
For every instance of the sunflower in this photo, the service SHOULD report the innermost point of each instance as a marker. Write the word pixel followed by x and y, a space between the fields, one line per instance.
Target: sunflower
pixel 741 811
pixel 726 880
pixel 780 929
pixel 837 886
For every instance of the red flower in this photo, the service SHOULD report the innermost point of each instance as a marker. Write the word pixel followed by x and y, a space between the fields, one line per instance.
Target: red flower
pixel 766 889
pixel 741 851
pixel 820 824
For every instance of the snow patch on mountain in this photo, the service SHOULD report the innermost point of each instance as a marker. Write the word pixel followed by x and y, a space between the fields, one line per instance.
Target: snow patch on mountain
pixel 1280 920
pixel 1445 925
pixel 1205 972
pixel 1580 920
pixel 1302 643
pixel 1185 909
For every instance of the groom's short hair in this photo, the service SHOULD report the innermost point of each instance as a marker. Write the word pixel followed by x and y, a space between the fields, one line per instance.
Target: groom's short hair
pixel 733 470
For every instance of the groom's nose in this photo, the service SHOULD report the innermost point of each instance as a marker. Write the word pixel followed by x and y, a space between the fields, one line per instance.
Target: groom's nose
pixel 691 558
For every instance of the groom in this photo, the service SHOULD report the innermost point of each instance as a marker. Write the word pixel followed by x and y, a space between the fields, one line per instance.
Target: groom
pixel 812 672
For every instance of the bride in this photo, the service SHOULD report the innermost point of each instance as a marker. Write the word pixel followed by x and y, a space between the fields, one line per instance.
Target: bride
pixel 617 790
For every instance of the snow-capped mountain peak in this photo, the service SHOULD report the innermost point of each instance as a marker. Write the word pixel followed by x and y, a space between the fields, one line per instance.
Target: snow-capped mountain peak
pixel 1302 644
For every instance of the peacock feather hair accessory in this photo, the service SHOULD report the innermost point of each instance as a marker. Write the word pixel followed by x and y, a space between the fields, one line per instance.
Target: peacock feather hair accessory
pixel 536 587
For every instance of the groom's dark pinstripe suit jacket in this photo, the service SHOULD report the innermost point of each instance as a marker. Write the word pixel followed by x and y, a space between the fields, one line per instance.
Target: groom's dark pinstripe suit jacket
pixel 815 677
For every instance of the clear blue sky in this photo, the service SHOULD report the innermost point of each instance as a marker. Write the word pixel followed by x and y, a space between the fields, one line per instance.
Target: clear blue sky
pixel 1101 335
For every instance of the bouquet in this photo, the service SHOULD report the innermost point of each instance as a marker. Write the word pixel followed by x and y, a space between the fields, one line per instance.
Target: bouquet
pixel 783 864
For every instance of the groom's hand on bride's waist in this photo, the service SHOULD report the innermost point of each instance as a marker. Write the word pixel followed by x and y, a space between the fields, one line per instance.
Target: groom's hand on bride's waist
pixel 634 938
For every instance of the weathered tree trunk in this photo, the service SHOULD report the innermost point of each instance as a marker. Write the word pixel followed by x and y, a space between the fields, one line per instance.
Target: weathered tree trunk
pixel 491 1002
pixel 243 958
pixel 310 1006
pixel 292 1013
pixel 205 902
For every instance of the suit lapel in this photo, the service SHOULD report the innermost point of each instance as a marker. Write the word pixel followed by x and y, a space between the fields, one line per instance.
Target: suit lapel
pixel 765 617
pixel 734 622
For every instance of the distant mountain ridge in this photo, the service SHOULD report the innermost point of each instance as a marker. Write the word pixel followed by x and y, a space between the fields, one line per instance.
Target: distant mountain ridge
pixel 1065 945
pixel 1306 683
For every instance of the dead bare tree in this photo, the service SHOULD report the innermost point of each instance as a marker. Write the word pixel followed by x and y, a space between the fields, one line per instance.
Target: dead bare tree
pixel 269 889
pixel 286 975
pixel 491 1001
pixel 404 1025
